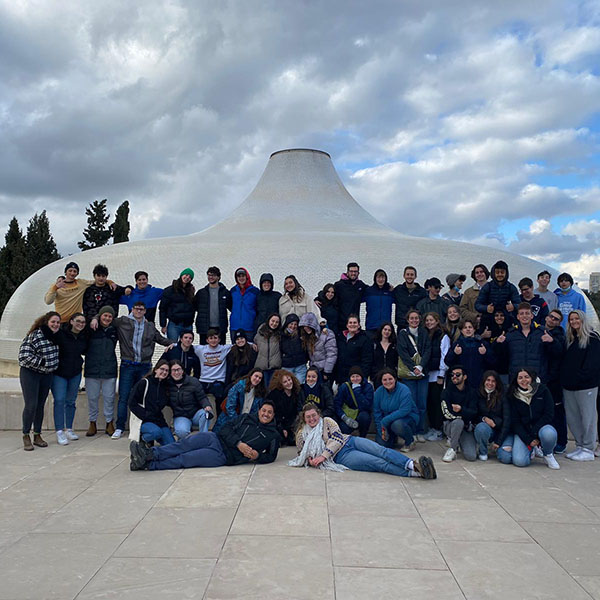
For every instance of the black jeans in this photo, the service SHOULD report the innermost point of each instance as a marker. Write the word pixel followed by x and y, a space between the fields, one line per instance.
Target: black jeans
pixel 35 388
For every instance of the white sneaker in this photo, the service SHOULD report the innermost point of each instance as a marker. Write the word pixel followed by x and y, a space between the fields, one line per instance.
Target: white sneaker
pixel 551 461
pixel 71 435
pixel 483 457
pixel 61 438
pixel 450 455
pixel 536 452
pixel 117 434
pixel 420 438
pixel 448 442
pixel 597 451
pixel 584 455
pixel 575 452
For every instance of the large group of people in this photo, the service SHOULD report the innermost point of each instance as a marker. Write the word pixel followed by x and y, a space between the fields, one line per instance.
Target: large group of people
pixel 499 368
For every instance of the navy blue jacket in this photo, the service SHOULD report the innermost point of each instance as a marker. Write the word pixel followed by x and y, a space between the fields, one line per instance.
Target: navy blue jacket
pixel 363 394
pixel 379 302
pixel 473 362
pixel 189 359
pixel 100 358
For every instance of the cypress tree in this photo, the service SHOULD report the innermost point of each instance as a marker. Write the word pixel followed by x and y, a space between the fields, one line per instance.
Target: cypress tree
pixel 120 228
pixel 41 248
pixel 13 262
pixel 97 233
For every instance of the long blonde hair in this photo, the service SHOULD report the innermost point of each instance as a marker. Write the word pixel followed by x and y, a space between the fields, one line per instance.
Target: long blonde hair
pixel 583 337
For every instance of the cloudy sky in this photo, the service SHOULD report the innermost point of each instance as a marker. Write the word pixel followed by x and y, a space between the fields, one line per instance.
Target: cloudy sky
pixel 467 120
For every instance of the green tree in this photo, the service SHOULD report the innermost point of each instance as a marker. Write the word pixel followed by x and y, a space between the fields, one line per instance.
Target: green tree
pixel 120 228
pixel 13 262
pixel 97 233
pixel 41 248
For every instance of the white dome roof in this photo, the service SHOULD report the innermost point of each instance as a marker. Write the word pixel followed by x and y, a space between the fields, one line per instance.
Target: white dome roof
pixel 299 219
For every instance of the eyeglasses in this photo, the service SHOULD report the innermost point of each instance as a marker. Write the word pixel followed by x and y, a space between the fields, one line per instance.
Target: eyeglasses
pixel 456 375
pixel 79 321
pixel 176 369
pixel 553 318
pixel 138 308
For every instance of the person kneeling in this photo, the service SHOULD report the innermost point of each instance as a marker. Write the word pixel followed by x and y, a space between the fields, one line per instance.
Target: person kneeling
pixel 322 445
pixel 251 438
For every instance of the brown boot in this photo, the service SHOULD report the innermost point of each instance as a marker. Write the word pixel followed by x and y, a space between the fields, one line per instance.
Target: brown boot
pixel 27 445
pixel 110 428
pixel 38 441
pixel 91 429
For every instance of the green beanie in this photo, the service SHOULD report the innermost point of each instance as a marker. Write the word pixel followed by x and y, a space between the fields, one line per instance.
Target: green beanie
pixel 187 271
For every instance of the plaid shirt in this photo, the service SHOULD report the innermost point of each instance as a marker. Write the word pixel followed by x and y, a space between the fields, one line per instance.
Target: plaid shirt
pixel 38 353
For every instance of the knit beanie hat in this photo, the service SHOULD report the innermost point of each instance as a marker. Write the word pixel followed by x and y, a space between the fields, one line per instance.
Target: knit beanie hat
pixel 452 278
pixel 356 371
pixel 106 309
pixel 187 271
pixel 240 333
pixel 72 265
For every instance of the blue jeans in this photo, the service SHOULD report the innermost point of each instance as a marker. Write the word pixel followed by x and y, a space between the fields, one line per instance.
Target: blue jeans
pixel 267 376
pixel 299 372
pixel 419 389
pixel 129 374
pixel 150 432
pixel 483 434
pixel 216 388
pixel 65 395
pixel 520 455
pixel 198 450
pixel 183 425
pixel 404 428
pixel 174 331
pixel 361 454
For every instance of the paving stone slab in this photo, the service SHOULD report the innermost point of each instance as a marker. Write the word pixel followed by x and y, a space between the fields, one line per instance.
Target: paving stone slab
pixel 281 479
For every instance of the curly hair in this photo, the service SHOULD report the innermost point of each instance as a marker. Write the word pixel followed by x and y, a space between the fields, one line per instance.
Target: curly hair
pixel 43 320
pixel 277 383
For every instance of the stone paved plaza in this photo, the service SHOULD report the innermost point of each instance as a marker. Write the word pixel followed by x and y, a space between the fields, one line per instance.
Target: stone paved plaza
pixel 76 523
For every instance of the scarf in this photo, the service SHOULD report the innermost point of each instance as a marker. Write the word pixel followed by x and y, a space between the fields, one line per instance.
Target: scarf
pixel 414 331
pixel 524 395
pixel 313 447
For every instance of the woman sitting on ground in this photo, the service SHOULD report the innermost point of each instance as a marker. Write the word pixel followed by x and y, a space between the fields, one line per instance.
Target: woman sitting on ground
pixel 354 403
pixel 285 392
pixel 244 397
pixel 315 390
pixel 147 400
pixel 322 445
pixel 532 412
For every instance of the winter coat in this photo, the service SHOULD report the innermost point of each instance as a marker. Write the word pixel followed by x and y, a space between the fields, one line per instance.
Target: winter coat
pixel 289 306
pixel 539 309
pixel 349 296
pixel 321 395
pixel 267 303
pixel 406 349
pixel 101 358
pixel 202 307
pixel 555 359
pixel 292 352
pixel 189 359
pixel 324 355
pixel 500 414
pixel 175 307
pixel 150 296
pixel 286 409
pixel 248 429
pixel 498 295
pixel 473 362
pixel 269 350
pixel 39 351
pixel 383 359
pixel 528 351
pixel 466 399
pixel 71 347
pixel 354 352
pixel 150 336
pixel 406 299
pixel 391 406
pixel 363 395
pixel 439 305
pixel 243 308
pixel 467 304
pixel 236 397
pixel 95 297
pixel 329 312
pixel 147 400
pixel 528 419
pixel 186 397
pixel 234 372
pixel 379 302
pixel 580 369
pixel 568 302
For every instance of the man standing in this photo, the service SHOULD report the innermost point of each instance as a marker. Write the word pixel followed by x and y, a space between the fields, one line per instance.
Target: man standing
pixel 539 307
pixel 568 298
pixel 543 280
pixel 101 294
pixel 67 293
pixel 349 291
pixel 480 275
pixel 137 338
pixel 146 293
pixel 497 294
pixel 433 302
pixel 406 296
pixel 243 303
pixel 212 303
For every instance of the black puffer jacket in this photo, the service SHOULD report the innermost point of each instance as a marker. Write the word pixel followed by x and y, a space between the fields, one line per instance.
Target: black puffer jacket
pixel 101 359
pixel 186 397
pixel 498 295
pixel 147 400
pixel 436 351
pixel 265 439
pixel 267 303
pixel 406 299
pixel 581 366
pixel 202 306
pixel 292 353
pixel 349 296
pixel 70 350
pixel 354 352
pixel 528 419
pixel 500 414
pixel 175 307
